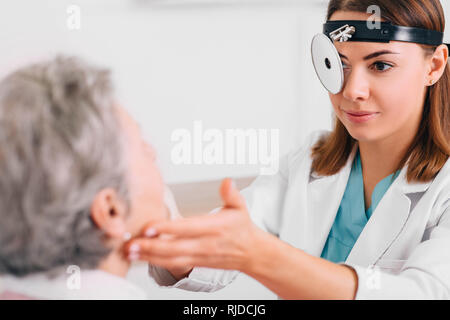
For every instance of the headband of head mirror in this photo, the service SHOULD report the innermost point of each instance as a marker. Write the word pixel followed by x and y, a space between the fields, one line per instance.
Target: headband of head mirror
pixel 326 59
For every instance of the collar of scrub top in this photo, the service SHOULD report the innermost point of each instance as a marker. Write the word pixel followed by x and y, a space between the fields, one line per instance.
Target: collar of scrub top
pixel 359 30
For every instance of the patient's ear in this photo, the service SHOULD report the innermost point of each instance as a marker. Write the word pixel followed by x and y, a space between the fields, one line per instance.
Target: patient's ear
pixel 108 212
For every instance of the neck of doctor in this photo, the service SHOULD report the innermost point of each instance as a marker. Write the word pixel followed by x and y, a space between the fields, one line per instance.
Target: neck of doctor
pixel 381 158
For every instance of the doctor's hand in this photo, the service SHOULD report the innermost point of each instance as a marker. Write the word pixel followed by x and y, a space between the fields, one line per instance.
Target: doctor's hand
pixel 224 240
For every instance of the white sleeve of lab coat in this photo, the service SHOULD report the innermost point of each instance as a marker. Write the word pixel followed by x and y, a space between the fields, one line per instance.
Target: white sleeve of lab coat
pixel 200 279
pixel 425 275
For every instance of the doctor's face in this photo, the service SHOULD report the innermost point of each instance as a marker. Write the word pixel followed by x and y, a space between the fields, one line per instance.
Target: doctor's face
pixel 384 89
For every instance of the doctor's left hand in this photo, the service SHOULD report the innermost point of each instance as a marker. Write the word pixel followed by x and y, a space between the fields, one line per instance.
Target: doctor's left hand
pixel 223 240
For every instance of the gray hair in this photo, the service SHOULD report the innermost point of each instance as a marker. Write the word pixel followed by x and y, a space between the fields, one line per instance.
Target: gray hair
pixel 60 144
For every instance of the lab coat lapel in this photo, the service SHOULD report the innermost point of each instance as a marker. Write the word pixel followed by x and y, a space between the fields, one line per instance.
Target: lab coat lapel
pixel 386 221
pixel 324 197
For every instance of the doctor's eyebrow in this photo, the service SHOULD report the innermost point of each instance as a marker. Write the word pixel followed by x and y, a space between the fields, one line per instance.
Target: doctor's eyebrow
pixel 372 55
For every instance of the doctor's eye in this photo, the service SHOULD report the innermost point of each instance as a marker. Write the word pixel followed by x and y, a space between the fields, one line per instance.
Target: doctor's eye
pixel 381 66
pixel 345 67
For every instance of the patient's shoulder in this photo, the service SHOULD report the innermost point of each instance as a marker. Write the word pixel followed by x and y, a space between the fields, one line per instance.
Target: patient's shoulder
pixel 9 295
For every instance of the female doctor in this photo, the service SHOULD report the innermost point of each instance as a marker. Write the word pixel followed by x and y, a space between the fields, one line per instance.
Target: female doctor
pixel 360 212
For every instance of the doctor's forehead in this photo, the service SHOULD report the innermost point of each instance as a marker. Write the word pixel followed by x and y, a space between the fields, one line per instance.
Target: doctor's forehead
pixel 366 51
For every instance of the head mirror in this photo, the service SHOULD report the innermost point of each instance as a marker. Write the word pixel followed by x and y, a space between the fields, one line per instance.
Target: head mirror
pixel 327 63
pixel 326 60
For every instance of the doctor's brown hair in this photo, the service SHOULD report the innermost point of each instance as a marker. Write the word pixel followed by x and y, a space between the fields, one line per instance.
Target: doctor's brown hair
pixel 430 149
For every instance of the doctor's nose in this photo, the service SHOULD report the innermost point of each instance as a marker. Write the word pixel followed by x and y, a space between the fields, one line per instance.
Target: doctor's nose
pixel 356 86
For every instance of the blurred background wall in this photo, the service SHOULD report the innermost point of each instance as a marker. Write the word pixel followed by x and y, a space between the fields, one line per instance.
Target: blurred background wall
pixel 228 63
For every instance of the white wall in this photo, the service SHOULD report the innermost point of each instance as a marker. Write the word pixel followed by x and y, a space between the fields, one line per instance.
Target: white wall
pixel 174 62
pixel 228 66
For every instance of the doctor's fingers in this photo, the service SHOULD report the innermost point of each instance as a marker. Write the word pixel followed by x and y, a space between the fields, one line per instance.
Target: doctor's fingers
pixel 183 261
pixel 169 263
pixel 199 256
pixel 146 249
pixel 230 195
pixel 194 226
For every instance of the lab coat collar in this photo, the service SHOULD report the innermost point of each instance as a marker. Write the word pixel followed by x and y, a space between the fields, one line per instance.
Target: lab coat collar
pixel 387 221
pixel 382 228
pixel 324 197
pixel 94 285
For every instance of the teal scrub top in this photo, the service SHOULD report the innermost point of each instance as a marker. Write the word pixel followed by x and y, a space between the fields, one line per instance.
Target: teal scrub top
pixel 352 216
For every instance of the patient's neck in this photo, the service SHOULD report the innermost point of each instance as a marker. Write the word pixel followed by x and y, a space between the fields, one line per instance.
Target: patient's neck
pixel 115 263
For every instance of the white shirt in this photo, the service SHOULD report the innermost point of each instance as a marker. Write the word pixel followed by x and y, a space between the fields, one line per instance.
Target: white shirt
pixel 91 285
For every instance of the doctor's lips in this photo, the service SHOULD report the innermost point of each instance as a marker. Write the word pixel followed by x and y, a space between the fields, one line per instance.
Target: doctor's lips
pixel 360 116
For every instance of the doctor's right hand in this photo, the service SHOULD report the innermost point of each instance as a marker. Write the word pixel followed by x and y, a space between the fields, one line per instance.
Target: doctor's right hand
pixel 178 272
pixel 227 239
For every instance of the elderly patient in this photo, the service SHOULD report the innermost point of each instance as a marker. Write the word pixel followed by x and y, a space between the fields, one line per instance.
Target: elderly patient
pixel 77 181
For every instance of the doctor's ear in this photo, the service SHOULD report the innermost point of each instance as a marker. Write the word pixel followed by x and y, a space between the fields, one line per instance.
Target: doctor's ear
pixel 438 63
pixel 108 212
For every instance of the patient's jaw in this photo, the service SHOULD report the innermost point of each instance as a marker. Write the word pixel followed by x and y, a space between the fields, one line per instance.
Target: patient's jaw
pixel 117 217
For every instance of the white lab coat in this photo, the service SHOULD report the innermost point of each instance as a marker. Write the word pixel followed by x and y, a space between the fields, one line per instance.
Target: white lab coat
pixel 402 253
